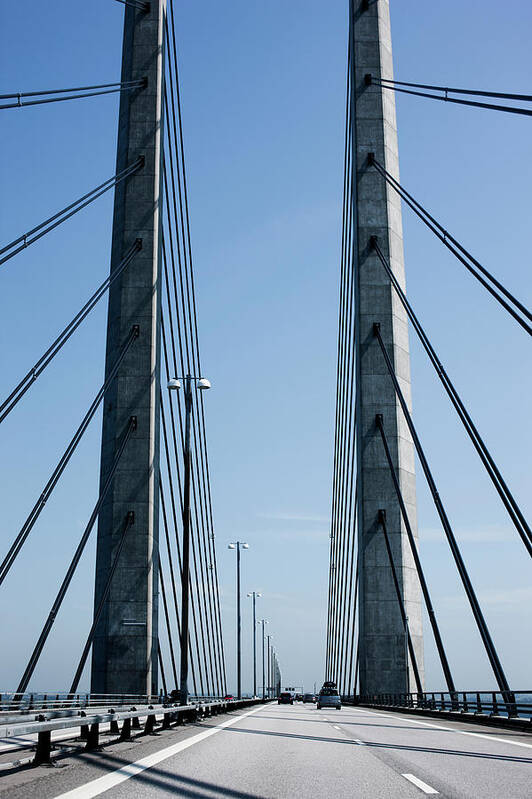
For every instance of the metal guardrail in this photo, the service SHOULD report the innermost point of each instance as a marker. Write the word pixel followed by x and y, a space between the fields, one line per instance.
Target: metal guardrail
pixel 10 701
pixel 516 705
pixel 89 720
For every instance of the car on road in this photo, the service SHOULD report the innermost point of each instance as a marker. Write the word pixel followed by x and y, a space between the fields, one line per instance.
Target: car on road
pixel 285 698
pixel 299 697
pixel 308 698
pixel 329 697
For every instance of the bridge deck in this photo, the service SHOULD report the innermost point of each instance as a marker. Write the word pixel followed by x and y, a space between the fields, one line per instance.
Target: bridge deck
pixel 295 751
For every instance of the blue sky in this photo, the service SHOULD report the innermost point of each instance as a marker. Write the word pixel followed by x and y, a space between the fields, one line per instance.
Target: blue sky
pixel 263 98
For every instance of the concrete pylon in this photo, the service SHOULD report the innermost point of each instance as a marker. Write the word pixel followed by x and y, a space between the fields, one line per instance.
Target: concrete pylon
pixel 124 657
pixel 377 211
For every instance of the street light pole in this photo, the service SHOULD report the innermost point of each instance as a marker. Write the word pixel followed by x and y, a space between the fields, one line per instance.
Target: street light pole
pixel 263 622
pixel 173 385
pixel 185 576
pixel 269 668
pixel 237 545
pixel 254 594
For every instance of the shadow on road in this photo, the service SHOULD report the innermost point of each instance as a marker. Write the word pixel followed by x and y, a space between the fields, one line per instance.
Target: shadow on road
pixel 166 781
pixel 377 745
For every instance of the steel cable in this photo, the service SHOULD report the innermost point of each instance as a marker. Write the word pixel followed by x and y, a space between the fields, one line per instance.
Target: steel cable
pixel 504 492
pixel 58 218
pixel 34 659
pixel 61 466
pixel 464 576
pixel 458 251
pixel 36 370
pixel 86 91
pixel 396 87
pixel 201 422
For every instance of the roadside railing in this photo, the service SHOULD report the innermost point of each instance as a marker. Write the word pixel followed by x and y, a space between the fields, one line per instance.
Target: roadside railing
pixel 90 717
pixel 488 704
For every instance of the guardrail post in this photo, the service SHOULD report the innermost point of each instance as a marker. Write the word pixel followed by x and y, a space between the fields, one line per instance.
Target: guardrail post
pixel 511 706
pixel 150 725
pixel 495 706
pixel 125 735
pixel 44 749
pixel 465 708
pixel 84 732
pixel 167 720
pixel 93 738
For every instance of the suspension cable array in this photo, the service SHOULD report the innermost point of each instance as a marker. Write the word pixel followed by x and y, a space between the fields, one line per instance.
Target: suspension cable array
pixel 180 356
pixel 494 286
pixel 345 567
pixel 341 617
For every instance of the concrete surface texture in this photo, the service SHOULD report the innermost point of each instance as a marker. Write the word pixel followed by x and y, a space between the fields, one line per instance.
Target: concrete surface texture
pixel 378 213
pixel 279 752
pixel 125 646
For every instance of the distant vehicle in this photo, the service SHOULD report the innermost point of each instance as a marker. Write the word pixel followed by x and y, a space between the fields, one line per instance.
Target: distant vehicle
pixel 299 697
pixel 329 696
pixel 229 696
pixel 285 698
pixel 308 698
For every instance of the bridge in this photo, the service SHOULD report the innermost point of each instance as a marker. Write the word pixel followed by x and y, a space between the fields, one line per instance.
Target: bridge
pixel 154 702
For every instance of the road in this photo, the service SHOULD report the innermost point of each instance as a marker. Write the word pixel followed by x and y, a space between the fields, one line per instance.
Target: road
pixel 282 752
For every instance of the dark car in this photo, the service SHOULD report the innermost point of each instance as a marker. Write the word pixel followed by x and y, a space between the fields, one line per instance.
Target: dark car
pixel 285 698
pixel 228 697
pixel 299 697
pixel 308 698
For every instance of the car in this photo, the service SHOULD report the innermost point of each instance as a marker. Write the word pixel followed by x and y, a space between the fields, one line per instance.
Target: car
pixel 227 697
pixel 285 698
pixel 329 696
pixel 308 698
pixel 299 697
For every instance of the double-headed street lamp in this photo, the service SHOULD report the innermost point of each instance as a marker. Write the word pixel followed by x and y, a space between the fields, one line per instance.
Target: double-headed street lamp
pixel 238 545
pixel 254 594
pixel 174 385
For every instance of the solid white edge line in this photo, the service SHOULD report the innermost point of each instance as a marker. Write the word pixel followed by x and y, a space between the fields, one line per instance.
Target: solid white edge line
pixel 447 729
pixel 419 784
pixel 101 784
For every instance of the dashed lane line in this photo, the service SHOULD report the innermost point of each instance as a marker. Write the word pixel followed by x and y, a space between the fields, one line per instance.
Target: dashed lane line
pixel 102 784
pixel 448 729
pixel 420 784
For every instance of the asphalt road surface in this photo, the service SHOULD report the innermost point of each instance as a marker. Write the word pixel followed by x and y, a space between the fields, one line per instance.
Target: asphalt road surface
pixel 295 751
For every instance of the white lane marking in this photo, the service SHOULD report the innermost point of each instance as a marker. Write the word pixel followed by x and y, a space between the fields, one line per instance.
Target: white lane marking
pixel 359 742
pixel 335 727
pixel 101 784
pixel 419 783
pixel 451 729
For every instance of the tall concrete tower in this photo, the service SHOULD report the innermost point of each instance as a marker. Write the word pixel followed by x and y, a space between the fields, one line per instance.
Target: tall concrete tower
pixel 124 658
pixel 377 211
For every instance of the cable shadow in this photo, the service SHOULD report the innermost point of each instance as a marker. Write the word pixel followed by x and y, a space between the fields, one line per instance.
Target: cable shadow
pixel 347 723
pixel 157 777
pixel 377 745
